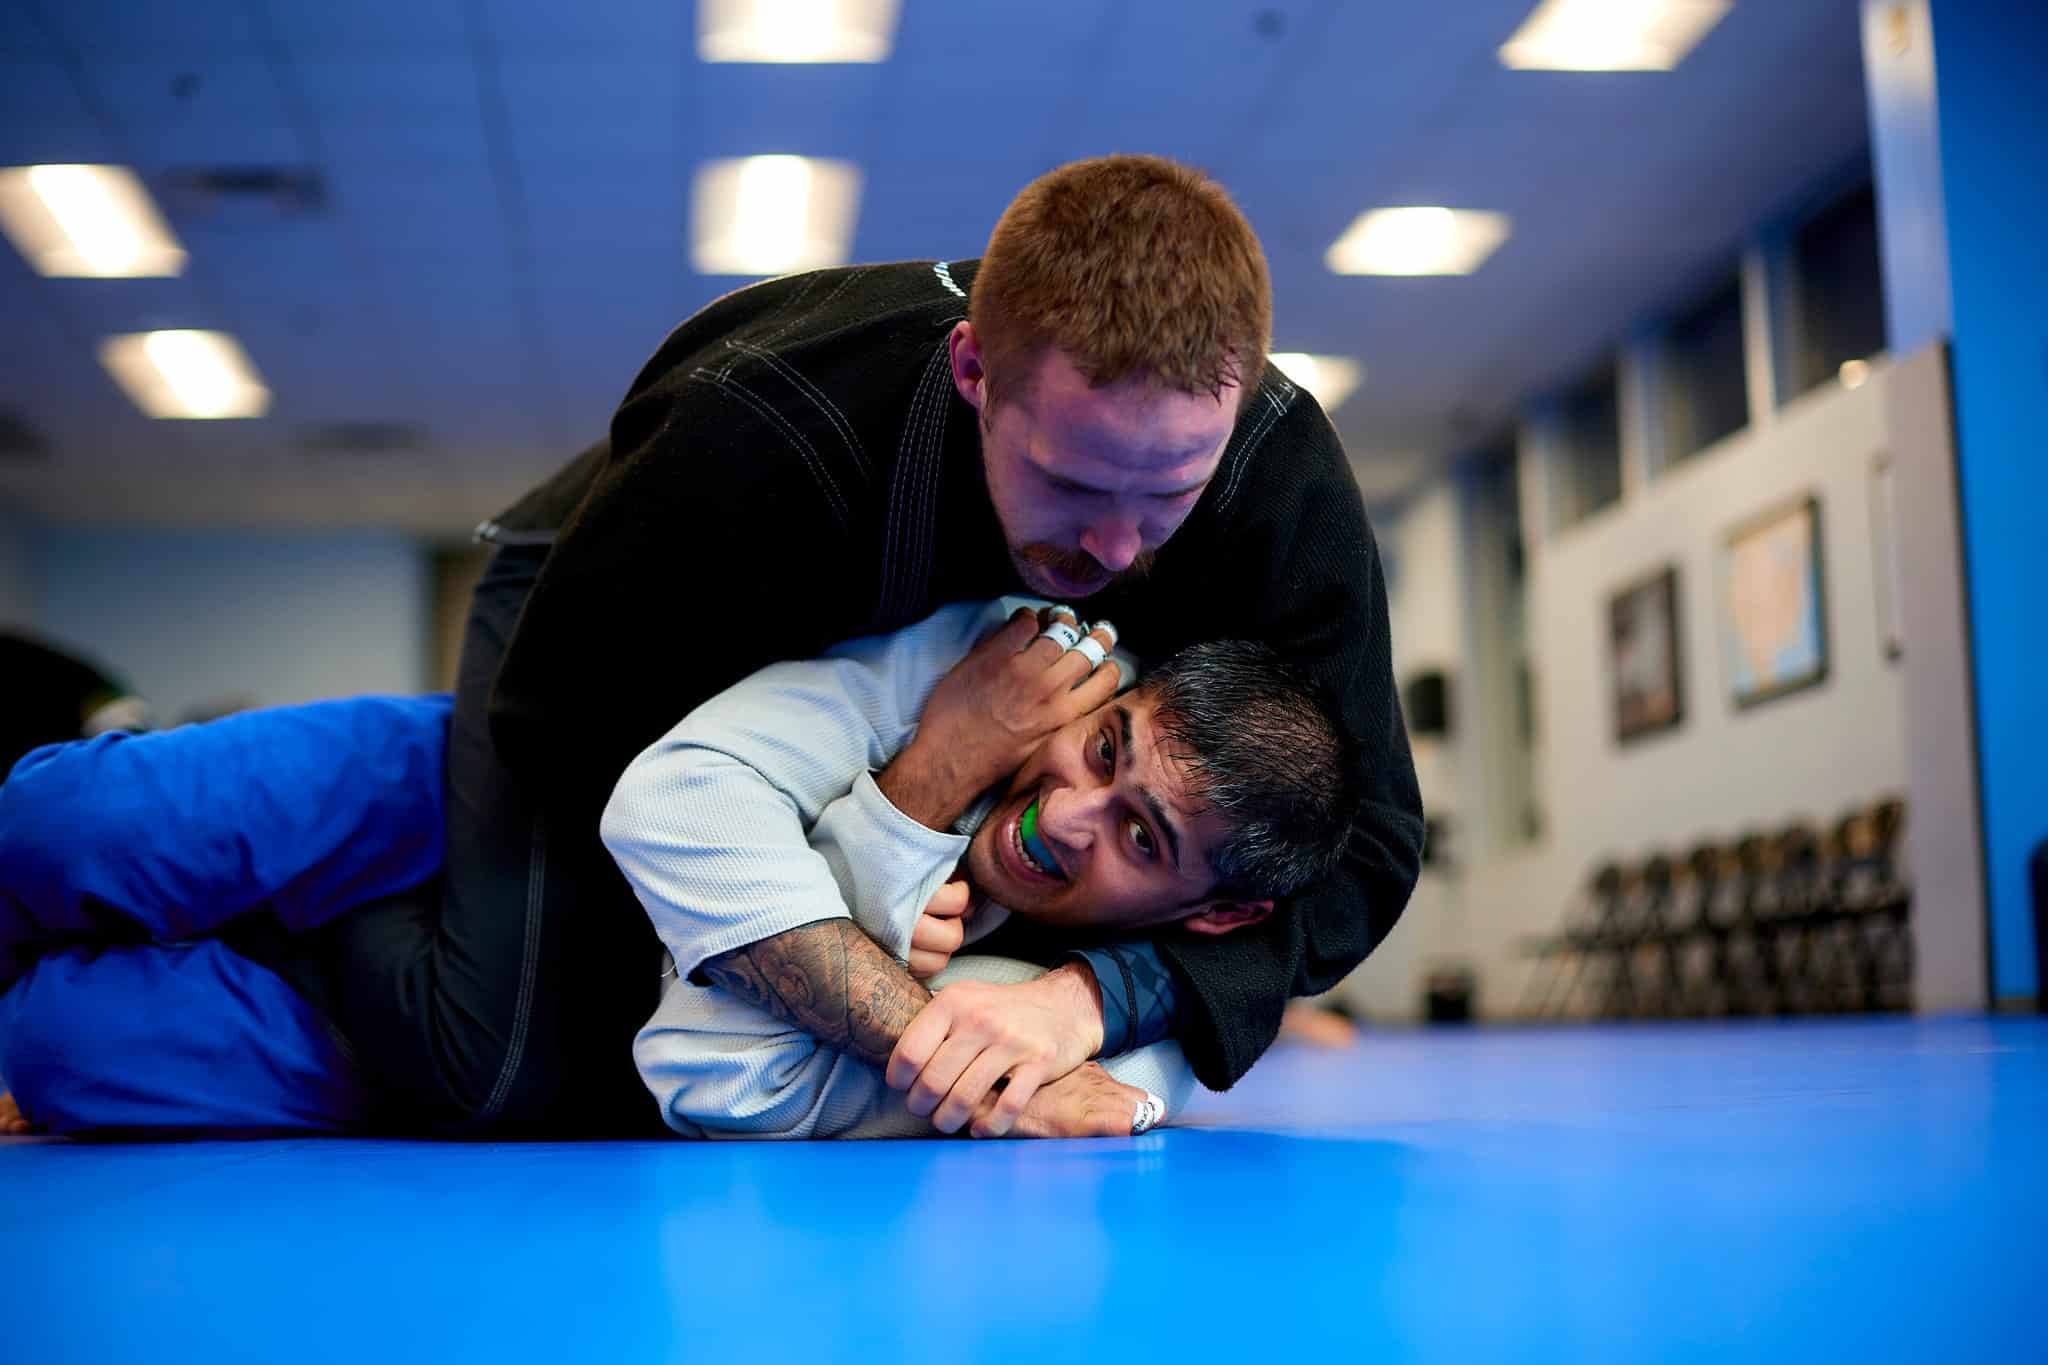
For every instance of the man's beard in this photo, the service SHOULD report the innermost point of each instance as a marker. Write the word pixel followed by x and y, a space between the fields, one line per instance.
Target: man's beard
pixel 1078 566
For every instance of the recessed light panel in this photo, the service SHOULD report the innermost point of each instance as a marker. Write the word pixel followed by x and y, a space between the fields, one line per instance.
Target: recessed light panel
pixel 1417 241
pixel 1331 378
pixel 185 374
pixel 768 215
pixel 1610 35
pixel 796 30
pixel 93 221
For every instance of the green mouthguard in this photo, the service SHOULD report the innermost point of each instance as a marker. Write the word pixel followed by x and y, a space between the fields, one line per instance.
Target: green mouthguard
pixel 1027 832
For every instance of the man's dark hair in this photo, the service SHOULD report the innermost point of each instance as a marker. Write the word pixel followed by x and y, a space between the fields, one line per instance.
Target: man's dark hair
pixel 1264 747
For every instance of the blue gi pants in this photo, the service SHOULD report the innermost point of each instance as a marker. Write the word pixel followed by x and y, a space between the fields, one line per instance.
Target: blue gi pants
pixel 123 857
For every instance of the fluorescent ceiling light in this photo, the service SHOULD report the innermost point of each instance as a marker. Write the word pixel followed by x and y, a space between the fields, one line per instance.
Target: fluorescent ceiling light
pixel 796 30
pixel 766 215
pixel 86 220
pixel 1610 35
pixel 185 374
pixel 1417 241
pixel 1331 378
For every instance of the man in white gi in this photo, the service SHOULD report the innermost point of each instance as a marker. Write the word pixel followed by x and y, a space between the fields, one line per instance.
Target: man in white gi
pixel 1197 799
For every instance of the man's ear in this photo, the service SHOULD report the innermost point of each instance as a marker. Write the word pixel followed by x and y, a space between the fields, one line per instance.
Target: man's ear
pixel 969 375
pixel 1222 916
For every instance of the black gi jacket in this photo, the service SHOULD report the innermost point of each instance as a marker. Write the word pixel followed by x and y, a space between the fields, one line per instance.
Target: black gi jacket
pixel 794 468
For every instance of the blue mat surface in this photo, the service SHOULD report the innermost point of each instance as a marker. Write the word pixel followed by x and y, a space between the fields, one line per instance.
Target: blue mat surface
pixel 1869 1191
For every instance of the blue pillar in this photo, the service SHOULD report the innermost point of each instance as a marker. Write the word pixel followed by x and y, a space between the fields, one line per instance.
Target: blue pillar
pixel 1992 114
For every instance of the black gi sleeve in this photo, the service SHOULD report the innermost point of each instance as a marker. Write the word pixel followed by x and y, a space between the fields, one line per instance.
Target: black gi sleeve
pixel 707 546
pixel 1318 599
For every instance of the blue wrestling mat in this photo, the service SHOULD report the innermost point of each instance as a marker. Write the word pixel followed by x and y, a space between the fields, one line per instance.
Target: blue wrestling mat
pixel 1868 1191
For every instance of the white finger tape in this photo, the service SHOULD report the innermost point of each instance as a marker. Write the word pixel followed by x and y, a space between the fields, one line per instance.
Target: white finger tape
pixel 1091 649
pixel 1151 1110
pixel 1062 634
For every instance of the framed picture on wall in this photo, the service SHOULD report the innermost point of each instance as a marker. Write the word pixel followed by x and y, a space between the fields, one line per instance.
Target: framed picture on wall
pixel 1774 635
pixel 1642 634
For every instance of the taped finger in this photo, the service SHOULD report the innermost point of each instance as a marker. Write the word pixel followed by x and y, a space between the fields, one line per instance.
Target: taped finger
pixel 1065 634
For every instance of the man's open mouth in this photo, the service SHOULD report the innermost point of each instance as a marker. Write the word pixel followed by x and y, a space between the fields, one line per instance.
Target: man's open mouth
pixel 1030 848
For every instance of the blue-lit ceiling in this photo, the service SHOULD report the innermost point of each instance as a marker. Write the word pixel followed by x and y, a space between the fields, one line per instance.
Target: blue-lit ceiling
pixel 504 236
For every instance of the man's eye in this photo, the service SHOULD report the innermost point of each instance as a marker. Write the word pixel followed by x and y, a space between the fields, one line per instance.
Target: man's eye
pixel 1104 752
pixel 1141 837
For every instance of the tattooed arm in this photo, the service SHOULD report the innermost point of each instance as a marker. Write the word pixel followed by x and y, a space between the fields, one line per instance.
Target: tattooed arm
pixel 830 980
pixel 716 825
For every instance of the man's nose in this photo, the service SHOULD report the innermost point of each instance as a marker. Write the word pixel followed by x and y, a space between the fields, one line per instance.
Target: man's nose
pixel 1114 540
pixel 1068 815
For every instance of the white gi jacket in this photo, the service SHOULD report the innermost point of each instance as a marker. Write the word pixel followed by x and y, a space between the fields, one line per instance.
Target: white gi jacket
pixel 758 813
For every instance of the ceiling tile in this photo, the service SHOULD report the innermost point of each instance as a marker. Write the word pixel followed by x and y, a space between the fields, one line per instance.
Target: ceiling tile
pixel 422 110
pixel 195 29
pixel 416 299
pixel 743 110
pixel 635 30
pixel 44 117
pixel 449 207
pixel 372 28
pixel 592 209
pixel 177 114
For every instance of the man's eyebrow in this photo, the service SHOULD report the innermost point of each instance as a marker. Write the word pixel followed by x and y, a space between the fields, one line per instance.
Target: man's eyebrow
pixel 1152 803
pixel 1076 486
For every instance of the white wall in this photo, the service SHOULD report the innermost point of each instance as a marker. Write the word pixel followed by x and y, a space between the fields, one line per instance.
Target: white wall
pixel 1424 606
pixel 188 618
pixel 1811 754
pixel 1425 614
pixel 1425 609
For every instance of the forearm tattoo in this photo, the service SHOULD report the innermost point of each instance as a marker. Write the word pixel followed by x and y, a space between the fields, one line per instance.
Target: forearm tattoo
pixel 830 980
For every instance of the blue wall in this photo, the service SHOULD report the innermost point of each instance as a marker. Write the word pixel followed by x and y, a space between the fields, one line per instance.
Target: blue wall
pixel 1994 126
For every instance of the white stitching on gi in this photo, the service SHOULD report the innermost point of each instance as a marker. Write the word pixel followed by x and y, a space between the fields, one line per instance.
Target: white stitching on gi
pixel 821 305
pixel 810 281
pixel 811 457
pixel 917 465
pixel 529 968
pixel 925 526
pixel 899 485
pixel 928 497
pixel 1276 408
pixel 831 410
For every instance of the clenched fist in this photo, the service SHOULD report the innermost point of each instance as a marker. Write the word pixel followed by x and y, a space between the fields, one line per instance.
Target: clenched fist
pixel 974 1034
pixel 994 707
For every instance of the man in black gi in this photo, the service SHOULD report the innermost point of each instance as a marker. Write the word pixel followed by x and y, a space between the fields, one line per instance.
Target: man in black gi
pixel 1085 413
